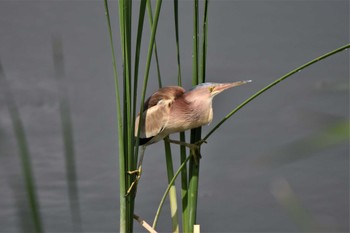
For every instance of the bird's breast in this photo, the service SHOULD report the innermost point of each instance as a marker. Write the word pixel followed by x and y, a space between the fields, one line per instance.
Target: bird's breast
pixel 183 118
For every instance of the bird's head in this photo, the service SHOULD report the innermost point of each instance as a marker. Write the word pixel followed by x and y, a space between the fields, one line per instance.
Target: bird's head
pixel 212 89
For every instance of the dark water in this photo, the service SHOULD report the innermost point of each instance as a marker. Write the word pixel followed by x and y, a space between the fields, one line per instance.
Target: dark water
pixel 240 190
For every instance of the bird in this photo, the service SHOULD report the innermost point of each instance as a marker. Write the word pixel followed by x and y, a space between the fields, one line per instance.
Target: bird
pixel 172 109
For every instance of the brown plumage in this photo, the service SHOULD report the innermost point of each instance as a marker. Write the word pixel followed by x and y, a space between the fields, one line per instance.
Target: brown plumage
pixel 172 109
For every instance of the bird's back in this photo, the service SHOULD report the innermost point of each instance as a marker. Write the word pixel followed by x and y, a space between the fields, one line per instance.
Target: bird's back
pixel 156 113
pixel 165 93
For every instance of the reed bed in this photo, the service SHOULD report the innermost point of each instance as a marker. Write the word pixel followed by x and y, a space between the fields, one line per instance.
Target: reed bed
pixel 128 147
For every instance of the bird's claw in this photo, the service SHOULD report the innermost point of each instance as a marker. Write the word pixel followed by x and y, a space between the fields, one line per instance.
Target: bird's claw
pixel 137 172
pixel 195 151
pixel 137 178
pixel 200 142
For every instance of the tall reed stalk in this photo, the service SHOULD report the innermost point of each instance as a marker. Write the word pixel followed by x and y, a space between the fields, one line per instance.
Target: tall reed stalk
pixel 198 76
pixel 126 106
pixel 184 182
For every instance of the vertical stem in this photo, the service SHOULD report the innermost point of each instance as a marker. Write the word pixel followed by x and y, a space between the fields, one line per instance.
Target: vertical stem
pixel 195 133
pixel 122 168
pixel 137 61
pixel 195 45
pixel 184 183
pixel 202 74
pixel 131 163
pixel 149 10
pixel 172 192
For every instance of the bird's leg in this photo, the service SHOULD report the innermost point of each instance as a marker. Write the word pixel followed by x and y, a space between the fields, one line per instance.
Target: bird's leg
pixel 138 172
pixel 194 147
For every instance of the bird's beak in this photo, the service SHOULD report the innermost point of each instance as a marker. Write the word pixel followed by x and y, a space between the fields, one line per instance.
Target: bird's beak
pixel 223 86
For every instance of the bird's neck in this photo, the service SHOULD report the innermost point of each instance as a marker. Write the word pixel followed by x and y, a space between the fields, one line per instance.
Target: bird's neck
pixel 201 109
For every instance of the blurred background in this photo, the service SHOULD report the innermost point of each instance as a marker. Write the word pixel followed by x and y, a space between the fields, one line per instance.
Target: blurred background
pixel 281 164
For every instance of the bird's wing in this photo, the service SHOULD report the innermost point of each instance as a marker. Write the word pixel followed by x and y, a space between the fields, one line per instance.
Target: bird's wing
pixel 157 110
pixel 154 119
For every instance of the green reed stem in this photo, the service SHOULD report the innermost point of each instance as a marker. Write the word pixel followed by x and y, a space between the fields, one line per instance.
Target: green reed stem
pixel 184 183
pixel 122 168
pixel 137 61
pixel 195 133
pixel 172 194
pixel 273 84
pixel 128 124
pixel 203 63
pixel 29 180
pixel 149 10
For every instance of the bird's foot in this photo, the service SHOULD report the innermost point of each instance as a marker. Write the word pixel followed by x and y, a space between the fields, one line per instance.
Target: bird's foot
pixel 138 173
pixel 195 151
pixel 200 142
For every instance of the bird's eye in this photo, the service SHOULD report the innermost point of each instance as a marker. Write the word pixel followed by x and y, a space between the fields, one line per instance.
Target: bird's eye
pixel 211 89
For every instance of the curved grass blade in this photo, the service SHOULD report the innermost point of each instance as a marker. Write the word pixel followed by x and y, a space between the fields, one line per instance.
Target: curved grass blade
pixel 182 166
pixel 24 153
pixel 273 84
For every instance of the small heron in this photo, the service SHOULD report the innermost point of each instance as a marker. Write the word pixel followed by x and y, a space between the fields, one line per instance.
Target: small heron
pixel 171 110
